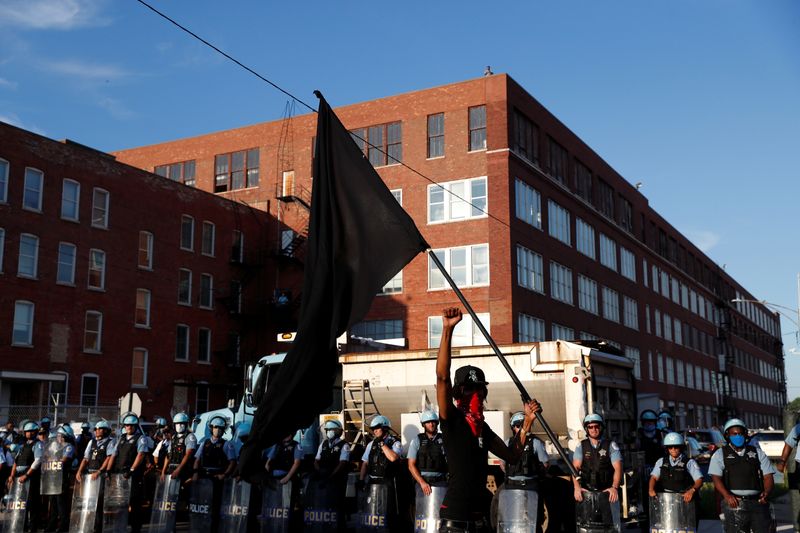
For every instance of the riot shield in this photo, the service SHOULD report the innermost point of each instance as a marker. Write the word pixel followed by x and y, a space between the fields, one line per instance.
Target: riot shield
pixel 321 502
pixel 52 469
pixel 84 504
pixel 16 507
pixel 668 512
pixel 517 509
pixel 750 515
pixel 276 507
pixel 375 508
pixel 235 506
pixel 426 513
pixel 596 514
pixel 165 505
pixel 201 503
pixel 117 495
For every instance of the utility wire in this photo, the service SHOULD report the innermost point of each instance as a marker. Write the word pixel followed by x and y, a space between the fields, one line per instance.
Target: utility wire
pixel 293 97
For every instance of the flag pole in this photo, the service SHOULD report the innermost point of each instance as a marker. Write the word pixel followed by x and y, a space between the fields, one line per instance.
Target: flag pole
pixel 523 392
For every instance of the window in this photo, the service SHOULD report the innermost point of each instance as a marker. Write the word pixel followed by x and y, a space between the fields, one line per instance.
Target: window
pixel 467 265
pixel 2 247
pixel 525 137
pixel 558 162
pixel 583 181
pixel 182 343
pixel 100 201
pixel 477 128
pixel 22 333
pixel 209 238
pixel 70 199
pixel 142 317
pixel 678 331
pixel 32 196
pixel 633 355
pixel 203 345
pixel 667 327
pixel 531 329
pixel 237 250
pixel 610 304
pixel 235 303
pixel 562 332
pixel 206 291
pixel 529 269
pixel 145 259
pixel 690 373
pixel 201 399
pixel 180 172
pixel 584 237
pixel 630 312
pixel 457 200
pixel 90 384
pixel 608 252
pixel 625 214
pixel 237 170
pixel 660 367
pixel 185 286
pixel 466 332
pixel 93 332
pixel 187 233
pixel 647 318
pixel 394 285
pixel 664 284
pixel 378 330
pixel 657 322
pixel 139 368
pixel 558 223
pixel 560 283
pixel 650 365
pixel 66 263
pixel 605 198
pixel 529 204
pixel 398 195
pixel 97 269
pixel 436 135
pixel 627 263
pixel 676 297
pixel 587 294
pixel 3 181
pixel 644 271
pixel 28 261
pixel 670 363
pixel 383 143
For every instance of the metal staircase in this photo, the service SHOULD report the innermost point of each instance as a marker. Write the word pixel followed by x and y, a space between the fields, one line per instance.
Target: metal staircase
pixel 358 407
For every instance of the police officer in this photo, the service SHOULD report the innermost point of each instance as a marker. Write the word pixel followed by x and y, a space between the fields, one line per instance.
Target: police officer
pixel 181 451
pixel 789 445
pixel 664 423
pixel 96 461
pixel 83 438
pixel 215 460
pixel 333 454
pixel 531 465
pixel 283 459
pixel 648 437
pixel 45 425
pixel 129 458
pixel 427 461
pixel 599 461
pixel 675 472
pixel 59 504
pixel 8 434
pixel 379 467
pixel 743 477
pixel 27 463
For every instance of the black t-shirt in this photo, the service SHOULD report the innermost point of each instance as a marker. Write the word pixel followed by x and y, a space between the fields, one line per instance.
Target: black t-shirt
pixel 467 463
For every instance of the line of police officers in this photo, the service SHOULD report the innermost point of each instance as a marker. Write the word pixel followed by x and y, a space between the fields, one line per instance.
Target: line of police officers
pixel 741 473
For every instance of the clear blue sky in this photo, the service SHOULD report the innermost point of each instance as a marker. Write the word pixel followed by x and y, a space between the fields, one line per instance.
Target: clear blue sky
pixel 700 101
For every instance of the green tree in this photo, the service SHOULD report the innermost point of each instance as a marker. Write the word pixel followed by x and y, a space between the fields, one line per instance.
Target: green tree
pixel 794 405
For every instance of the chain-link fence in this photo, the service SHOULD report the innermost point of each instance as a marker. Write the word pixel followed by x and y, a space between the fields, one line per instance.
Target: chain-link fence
pixel 64 413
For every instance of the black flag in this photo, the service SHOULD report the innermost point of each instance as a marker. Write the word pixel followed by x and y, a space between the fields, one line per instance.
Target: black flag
pixel 359 238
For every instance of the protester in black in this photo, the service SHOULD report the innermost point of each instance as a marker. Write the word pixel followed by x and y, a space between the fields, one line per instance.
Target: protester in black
pixel 467 438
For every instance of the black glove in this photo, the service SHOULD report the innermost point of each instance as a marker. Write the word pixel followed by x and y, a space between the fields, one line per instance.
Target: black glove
pixel 359 484
pixel 126 474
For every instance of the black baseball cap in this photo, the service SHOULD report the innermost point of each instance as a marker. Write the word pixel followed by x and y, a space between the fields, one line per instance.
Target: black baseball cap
pixel 470 375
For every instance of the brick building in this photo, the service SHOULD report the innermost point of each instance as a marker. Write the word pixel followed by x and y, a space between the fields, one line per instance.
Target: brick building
pixel 116 280
pixel 569 249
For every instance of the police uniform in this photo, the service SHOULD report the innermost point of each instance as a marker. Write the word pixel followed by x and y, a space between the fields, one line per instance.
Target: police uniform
pixel 178 446
pixel 431 460
pixel 381 471
pixel 742 472
pixel 379 468
pixel 282 456
pixel 330 453
pixel 95 455
pixel 59 513
pixel 597 465
pixel 650 445
pixel 124 451
pixel 214 456
pixel 28 460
